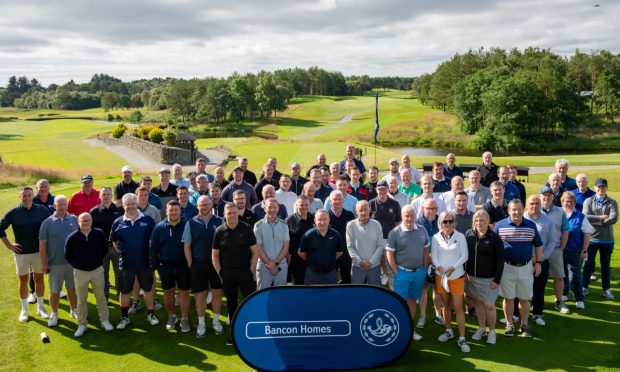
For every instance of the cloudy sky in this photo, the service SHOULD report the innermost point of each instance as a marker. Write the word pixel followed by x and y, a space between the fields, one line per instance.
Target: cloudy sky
pixel 58 40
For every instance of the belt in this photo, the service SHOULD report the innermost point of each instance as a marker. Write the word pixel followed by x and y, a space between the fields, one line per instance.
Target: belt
pixel 518 264
pixel 409 270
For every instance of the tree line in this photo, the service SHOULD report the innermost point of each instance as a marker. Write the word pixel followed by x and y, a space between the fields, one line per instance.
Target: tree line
pixel 521 100
pixel 236 98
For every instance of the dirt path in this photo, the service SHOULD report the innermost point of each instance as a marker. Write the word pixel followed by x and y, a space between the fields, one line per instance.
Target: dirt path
pixel 143 163
pixel 347 118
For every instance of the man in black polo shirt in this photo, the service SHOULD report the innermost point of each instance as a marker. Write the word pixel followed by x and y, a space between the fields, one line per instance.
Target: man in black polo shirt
pixel 126 185
pixel 297 181
pixel 298 224
pixel 321 247
pixel 165 190
pixel 245 214
pixel 215 193
pixel 488 170
pixel 248 175
pixel 234 257
pixel 267 178
pixel 338 219
pixel 497 208
pixel 385 209
pixel 103 216
pixel 26 220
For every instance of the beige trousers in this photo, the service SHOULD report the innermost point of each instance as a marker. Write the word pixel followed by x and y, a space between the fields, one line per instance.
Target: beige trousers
pixel 82 279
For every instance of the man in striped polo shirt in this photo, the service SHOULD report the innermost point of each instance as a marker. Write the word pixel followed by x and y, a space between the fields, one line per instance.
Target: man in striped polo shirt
pixel 522 245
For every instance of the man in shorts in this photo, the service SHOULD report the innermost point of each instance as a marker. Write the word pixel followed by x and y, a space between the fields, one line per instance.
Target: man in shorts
pixel 52 237
pixel 197 244
pixel 407 253
pixel 130 236
pixel 522 245
pixel 26 221
pixel 166 255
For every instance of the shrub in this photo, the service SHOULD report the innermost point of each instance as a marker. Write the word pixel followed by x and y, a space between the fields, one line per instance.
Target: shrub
pixel 144 130
pixel 119 130
pixel 110 117
pixel 156 135
pixel 119 118
pixel 170 136
pixel 136 117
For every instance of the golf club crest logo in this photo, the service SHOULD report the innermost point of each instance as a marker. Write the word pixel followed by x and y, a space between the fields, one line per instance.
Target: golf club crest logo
pixel 379 327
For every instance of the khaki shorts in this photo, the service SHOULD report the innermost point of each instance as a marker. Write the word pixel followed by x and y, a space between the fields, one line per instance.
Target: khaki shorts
pixel 58 275
pixel 556 264
pixel 517 282
pixel 24 262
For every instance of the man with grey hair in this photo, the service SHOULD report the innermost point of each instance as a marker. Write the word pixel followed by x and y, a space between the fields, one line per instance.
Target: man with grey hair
pixel 314 204
pixel 582 192
pixel 448 197
pixel 395 194
pixel 480 193
pixel 511 191
pixel 52 236
pixel 267 178
pixel 259 208
pixel 450 169
pixel 203 188
pixel 365 244
pixel 561 167
pixel 555 184
pixel 407 253
pixel 406 164
pixel 177 176
pixel 488 170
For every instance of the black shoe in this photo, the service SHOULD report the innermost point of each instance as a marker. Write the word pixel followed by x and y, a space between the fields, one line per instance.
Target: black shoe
pixel 229 341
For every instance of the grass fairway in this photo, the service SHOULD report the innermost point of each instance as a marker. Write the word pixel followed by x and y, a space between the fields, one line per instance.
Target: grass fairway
pixel 56 144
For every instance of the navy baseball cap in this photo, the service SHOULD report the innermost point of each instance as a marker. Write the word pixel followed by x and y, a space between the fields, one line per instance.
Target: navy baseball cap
pixel 600 182
pixel 382 183
pixel 545 189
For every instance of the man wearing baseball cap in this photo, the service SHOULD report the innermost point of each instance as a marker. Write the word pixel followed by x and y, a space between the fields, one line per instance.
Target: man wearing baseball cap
pixel 393 164
pixel 85 199
pixel 602 212
pixel 297 181
pixel 165 190
pixel 126 185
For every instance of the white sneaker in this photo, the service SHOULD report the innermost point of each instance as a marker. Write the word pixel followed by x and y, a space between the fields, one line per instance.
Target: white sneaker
pixel 32 298
pixel 209 297
pixel 608 295
pixel 416 336
pixel 62 294
pixel 479 334
pixel 201 331
pixel 217 327
pixel 53 320
pixel 384 279
pixel 463 345
pixel 492 337
pixel 73 314
pixel 152 319
pixel 123 323
pixel 23 316
pixel 580 305
pixel 421 322
pixel 157 306
pixel 564 298
pixel 539 320
pixel 80 331
pixel 592 277
pixel 107 326
pixel 43 313
pixel 448 334
pixel 502 320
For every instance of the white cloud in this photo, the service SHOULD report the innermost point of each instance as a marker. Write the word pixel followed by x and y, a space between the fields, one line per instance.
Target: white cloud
pixel 59 40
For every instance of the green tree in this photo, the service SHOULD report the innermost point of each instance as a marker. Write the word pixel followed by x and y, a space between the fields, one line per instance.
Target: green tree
pixel 178 99
pixel 109 101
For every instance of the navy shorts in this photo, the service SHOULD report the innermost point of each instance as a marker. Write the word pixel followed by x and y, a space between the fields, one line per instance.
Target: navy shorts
pixel 128 277
pixel 174 276
pixel 203 276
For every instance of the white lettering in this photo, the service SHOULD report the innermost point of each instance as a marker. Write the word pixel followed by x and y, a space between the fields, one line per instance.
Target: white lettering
pixel 274 331
pixel 305 329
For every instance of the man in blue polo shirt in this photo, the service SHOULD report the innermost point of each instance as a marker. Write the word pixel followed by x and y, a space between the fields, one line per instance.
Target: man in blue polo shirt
pixel 197 243
pixel 522 245
pixel 166 255
pixel 350 155
pixel 130 236
pixel 320 247
pixel 26 220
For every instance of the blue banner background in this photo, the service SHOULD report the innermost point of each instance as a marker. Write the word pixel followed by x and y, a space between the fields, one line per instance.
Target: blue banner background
pixel 322 328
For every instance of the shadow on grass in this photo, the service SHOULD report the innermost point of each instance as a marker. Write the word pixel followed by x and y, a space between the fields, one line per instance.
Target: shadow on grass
pixel 293 122
pixel 6 136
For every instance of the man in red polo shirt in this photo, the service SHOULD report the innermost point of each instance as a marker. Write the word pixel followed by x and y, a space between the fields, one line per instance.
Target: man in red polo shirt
pixel 85 199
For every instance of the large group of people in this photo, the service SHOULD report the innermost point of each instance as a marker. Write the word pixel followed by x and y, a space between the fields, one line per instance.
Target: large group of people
pixel 213 236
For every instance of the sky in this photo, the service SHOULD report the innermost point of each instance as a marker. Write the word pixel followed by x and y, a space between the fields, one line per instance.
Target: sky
pixel 58 40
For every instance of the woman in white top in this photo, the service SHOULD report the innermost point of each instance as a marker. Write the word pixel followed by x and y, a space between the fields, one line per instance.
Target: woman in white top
pixel 449 255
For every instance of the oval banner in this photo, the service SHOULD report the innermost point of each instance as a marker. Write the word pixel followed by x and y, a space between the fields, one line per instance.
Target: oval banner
pixel 322 328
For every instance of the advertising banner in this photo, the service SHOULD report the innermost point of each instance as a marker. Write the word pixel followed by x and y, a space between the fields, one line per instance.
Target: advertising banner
pixel 322 328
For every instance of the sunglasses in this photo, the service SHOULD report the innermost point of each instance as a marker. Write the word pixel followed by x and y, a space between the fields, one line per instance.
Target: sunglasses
pixel 447 222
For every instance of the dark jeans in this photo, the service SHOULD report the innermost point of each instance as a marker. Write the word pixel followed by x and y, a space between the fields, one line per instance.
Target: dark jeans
pixel 606 250
pixel 540 282
pixel 111 257
pixel 232 281
pixel 572 274
pixel 344 267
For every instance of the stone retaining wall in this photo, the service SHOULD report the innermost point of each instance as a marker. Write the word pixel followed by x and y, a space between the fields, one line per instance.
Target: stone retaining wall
pixel 160 153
